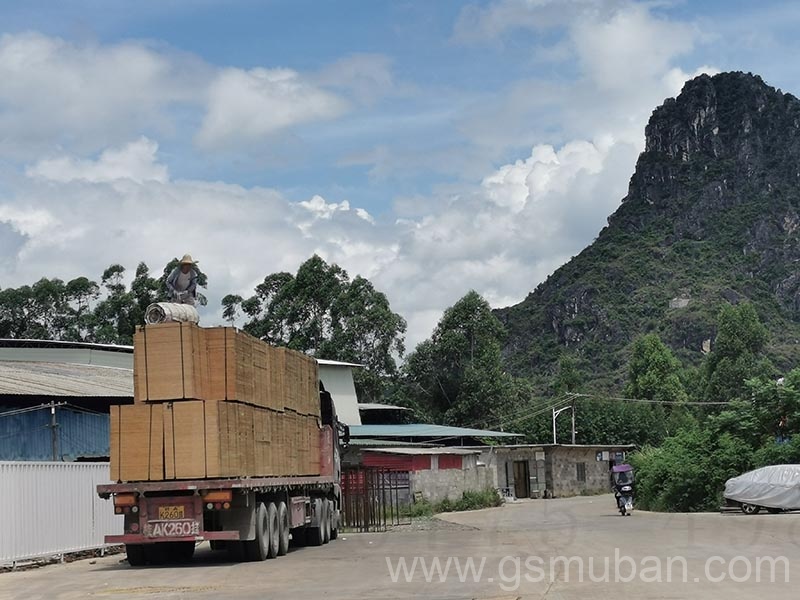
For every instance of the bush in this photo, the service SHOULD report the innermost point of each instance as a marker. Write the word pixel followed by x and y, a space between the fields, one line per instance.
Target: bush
pixel 688 472
pixel 470 500
pixel 778 454
pixel 421 508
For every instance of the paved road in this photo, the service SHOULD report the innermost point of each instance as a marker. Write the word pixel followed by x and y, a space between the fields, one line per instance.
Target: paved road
pixel 516 541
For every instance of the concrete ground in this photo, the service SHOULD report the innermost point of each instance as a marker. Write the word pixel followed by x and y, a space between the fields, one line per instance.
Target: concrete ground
pixel 516 543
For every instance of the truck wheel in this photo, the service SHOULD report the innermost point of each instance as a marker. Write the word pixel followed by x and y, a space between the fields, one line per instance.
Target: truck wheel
pixel 334 520
pixel 283 529
pixel 274 531
pixel 315 536
pixel 258 549
pixel 136 556
pixel 326 529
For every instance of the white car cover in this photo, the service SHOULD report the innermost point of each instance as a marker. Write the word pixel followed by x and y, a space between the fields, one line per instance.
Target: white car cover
pixel 777 486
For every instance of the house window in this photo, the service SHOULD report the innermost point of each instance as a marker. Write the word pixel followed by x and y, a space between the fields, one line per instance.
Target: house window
pixel 581 471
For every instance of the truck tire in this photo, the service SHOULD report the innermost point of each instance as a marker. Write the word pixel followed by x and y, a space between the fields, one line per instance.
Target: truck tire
pixel 136 555
pixel 315 536
pixel 326 529
pixel 274 531
pixel 258 549
pixel 283 529
pixel 334 520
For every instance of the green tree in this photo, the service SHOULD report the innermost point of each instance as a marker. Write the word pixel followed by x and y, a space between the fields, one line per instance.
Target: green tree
pixel 653 372
pixel 319 310
pixel 231 304
pixel 81 292
pixel 736 354
pixel 112 318
pixel 569 377
pixel 457 375
pixel 146 290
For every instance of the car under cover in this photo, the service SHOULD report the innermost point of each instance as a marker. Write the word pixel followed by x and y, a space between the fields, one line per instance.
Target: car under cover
pixel 776 486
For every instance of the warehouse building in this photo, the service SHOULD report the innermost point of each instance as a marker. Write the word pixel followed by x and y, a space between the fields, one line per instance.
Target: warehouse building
pixel 55 398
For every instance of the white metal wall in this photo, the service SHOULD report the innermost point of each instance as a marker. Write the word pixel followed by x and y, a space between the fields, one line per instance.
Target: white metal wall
pixel 48 508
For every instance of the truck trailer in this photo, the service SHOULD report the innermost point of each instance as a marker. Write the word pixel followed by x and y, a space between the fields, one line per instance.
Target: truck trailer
pixel 253 517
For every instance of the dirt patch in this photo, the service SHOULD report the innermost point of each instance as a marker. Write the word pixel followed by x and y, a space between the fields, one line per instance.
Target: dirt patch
pixel 36 563
pixel 430 524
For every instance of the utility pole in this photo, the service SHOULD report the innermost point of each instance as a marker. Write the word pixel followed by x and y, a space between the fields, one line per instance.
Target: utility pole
pixel 573 420
pixel 571 407
pixel 53 430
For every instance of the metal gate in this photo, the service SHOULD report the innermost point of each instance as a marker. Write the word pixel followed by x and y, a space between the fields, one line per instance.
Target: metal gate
pixel 373 498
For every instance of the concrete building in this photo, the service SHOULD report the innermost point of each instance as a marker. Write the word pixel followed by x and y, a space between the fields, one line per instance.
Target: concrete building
pixel 433 473
pixel 552 470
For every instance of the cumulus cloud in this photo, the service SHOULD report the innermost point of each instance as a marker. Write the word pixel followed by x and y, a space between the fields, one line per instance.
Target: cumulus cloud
pixel 244 106
pixel 86 95
pixel 135 161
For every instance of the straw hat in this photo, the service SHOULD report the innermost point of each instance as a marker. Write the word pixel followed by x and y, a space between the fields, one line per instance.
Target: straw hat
pixel 187 260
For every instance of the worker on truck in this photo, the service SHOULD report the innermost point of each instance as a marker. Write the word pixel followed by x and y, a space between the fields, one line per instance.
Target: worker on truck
pixel 182 282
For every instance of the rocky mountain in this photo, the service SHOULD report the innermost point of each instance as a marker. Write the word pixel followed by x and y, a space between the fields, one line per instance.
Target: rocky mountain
pixel 712 215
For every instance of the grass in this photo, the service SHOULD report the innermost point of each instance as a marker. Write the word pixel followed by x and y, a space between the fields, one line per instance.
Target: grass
pixel 470 500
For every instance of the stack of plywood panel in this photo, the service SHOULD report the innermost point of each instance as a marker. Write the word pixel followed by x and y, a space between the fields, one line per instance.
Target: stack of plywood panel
pixel 215 402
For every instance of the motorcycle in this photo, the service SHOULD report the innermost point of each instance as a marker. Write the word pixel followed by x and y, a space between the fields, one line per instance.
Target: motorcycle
pixel 623 488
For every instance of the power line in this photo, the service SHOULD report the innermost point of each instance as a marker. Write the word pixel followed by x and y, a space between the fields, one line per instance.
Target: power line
pixel 20 411
pixel 647 401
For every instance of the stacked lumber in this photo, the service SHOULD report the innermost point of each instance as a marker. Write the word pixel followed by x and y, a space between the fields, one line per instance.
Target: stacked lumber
pixel 215 402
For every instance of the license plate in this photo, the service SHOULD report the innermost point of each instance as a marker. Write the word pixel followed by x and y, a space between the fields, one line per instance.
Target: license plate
pixel 170 513
pixel 185 528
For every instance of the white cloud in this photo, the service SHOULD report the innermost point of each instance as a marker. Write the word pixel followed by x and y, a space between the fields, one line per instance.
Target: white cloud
pixel 58 95
pixel 135 161
pixel 366 77
pixel 546 171
pixel 321 209
pixel 86 95
pixel 244 106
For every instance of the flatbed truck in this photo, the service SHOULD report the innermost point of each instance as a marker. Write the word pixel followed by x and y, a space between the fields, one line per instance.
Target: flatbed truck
pixel 253 518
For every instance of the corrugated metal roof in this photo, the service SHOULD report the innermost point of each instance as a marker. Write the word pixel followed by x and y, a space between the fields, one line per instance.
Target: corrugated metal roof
pixel 370 443
pixel 426 451
pixel 64 379
pixel 423 430
pixel 31 343
pixel 376 406
pixel 336 363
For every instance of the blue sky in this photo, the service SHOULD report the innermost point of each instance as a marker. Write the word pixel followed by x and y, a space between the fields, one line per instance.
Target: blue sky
pixel 432 146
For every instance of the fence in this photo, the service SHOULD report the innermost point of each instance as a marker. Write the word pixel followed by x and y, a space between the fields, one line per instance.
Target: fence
pixel 373 498
pixel 51 508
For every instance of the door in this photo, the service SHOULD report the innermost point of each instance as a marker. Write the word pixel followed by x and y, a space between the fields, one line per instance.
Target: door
pixel 522 488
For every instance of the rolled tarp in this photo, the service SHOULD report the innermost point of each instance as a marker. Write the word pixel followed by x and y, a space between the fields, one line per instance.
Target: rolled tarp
pixel 166 312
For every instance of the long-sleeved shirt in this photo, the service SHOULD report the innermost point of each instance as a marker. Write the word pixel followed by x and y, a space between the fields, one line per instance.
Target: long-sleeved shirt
pixel 178 282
